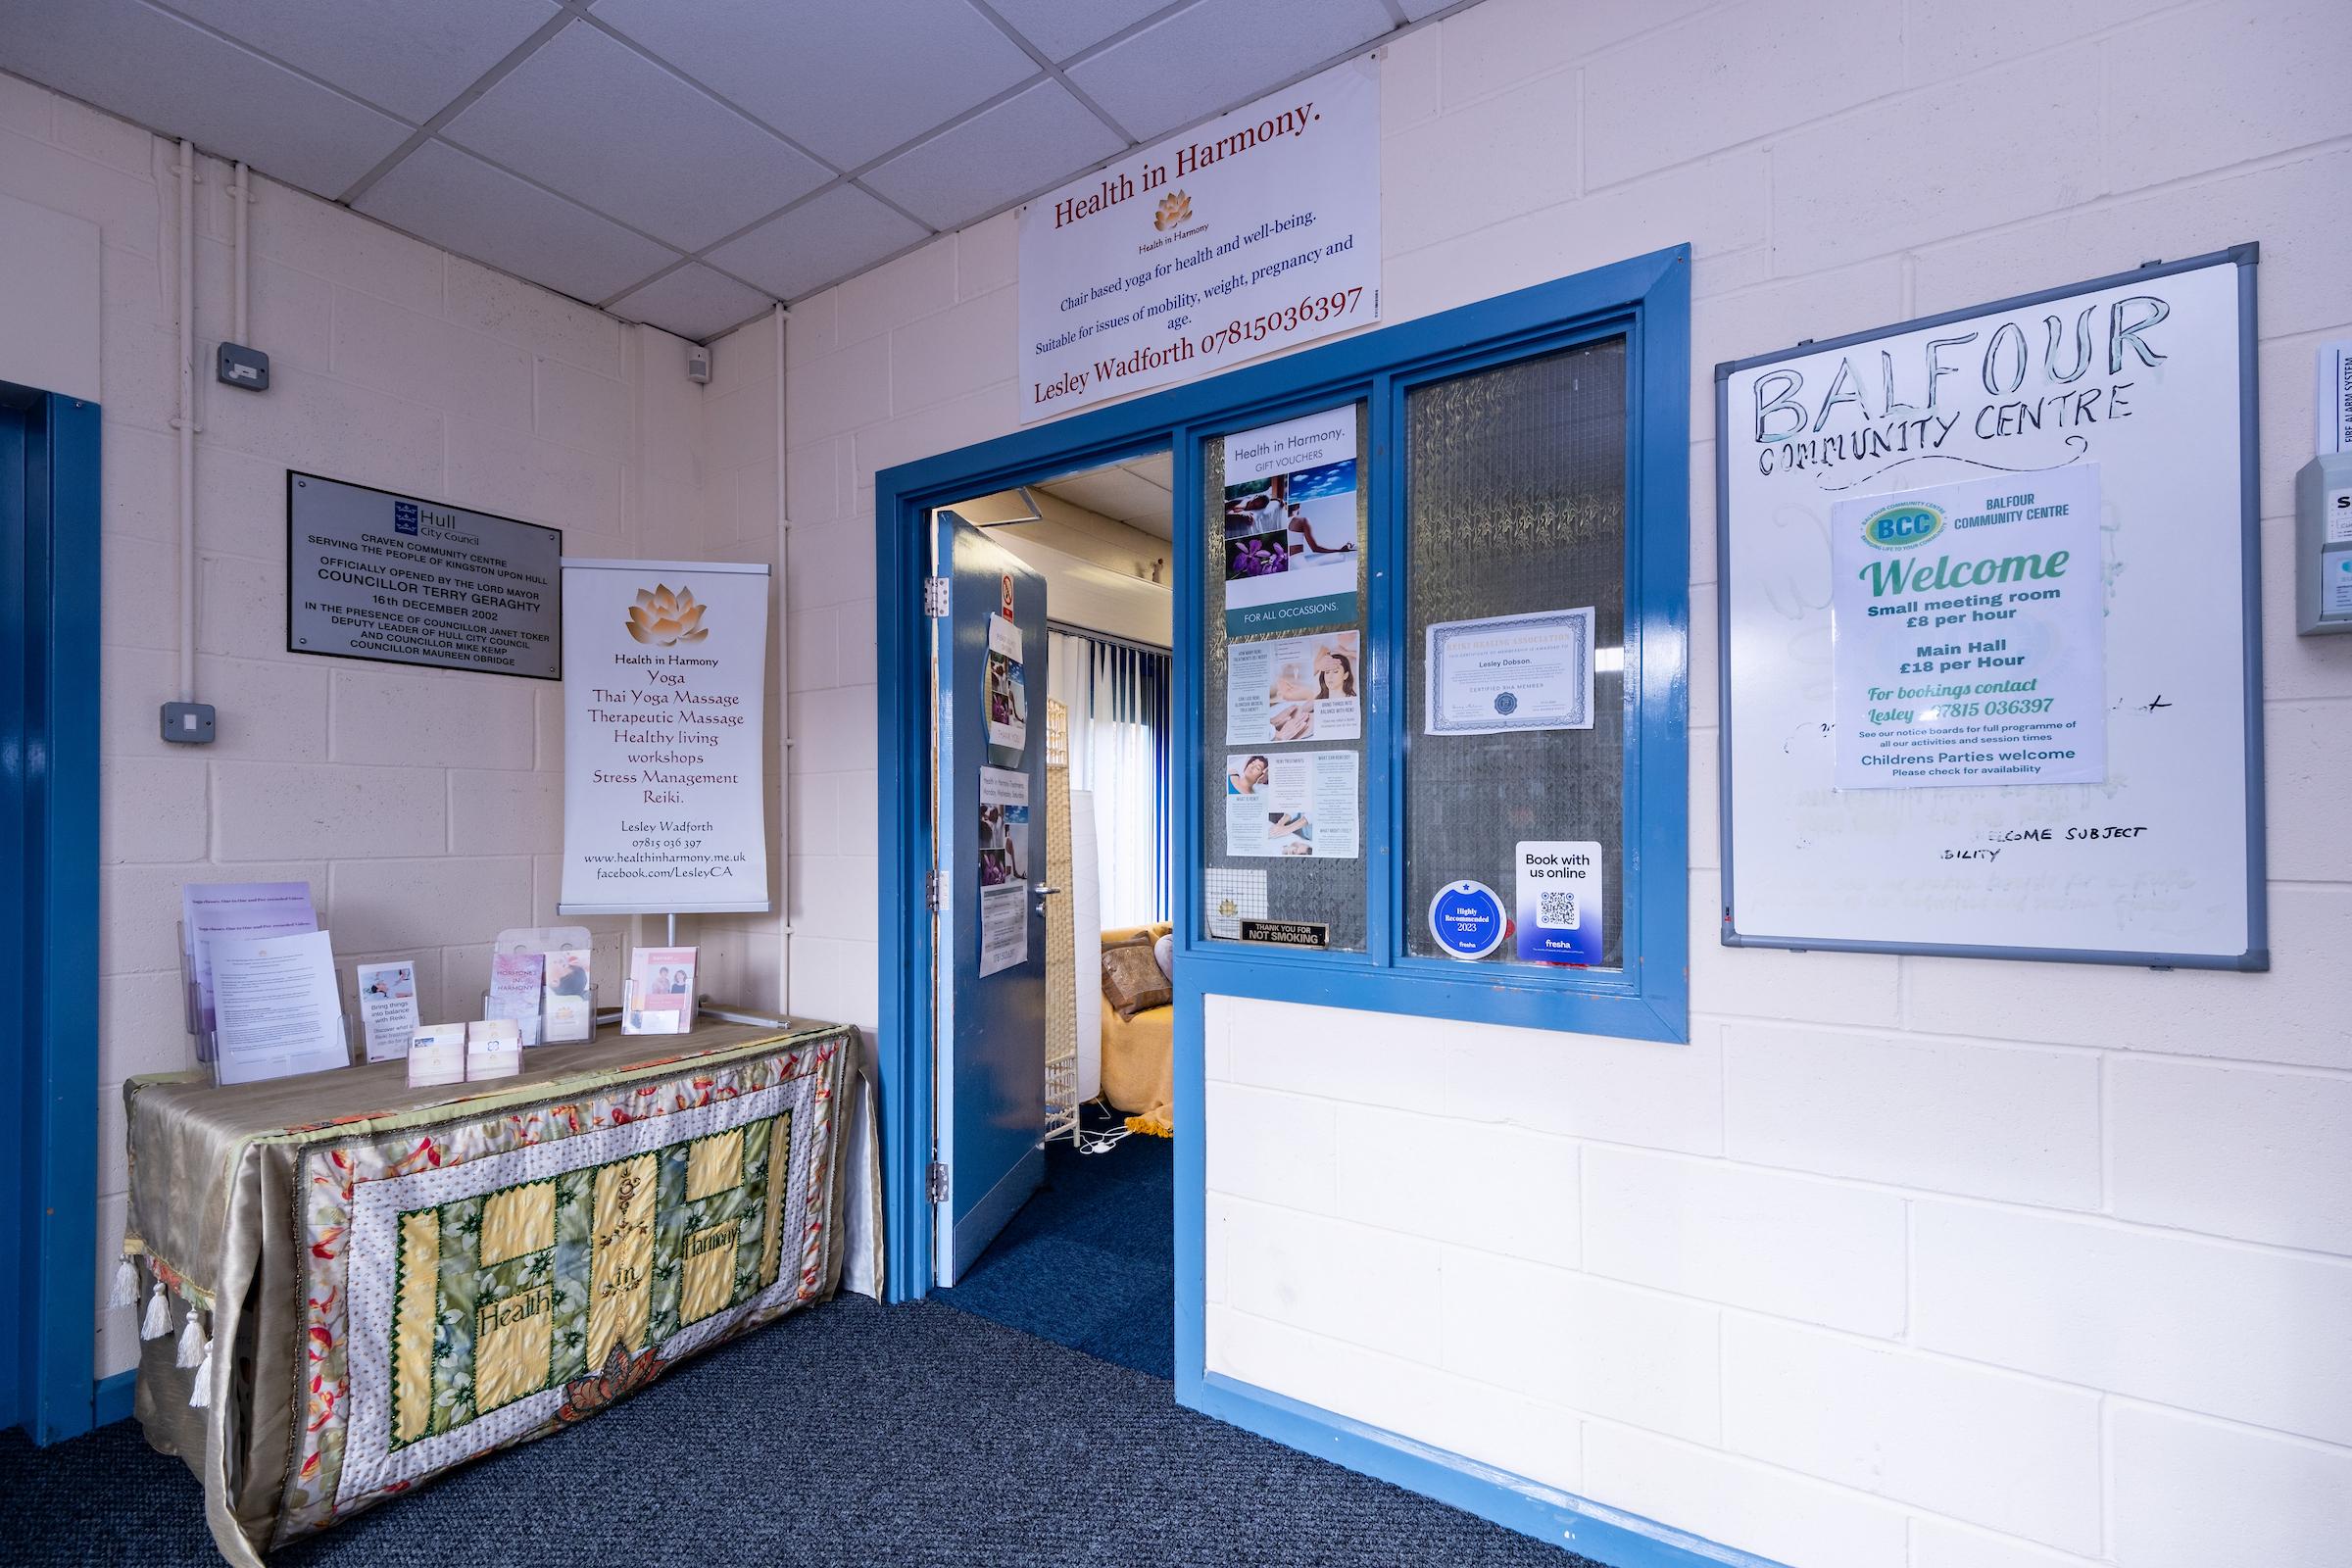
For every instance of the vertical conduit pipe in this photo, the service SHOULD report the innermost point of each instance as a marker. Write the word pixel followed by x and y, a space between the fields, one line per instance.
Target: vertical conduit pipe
pixel 783 685
pixel 185 422
pixel 243 193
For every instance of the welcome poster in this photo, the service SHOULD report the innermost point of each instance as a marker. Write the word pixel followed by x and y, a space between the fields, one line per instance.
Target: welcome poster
pixel 665 668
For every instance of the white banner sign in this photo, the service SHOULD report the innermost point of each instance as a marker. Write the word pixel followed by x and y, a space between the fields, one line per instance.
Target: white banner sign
pixel 1257 232
pixel 664 778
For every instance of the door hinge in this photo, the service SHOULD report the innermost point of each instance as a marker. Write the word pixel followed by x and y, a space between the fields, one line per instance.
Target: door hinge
pixel 938 1182
pixel 931 889
pixel 935 598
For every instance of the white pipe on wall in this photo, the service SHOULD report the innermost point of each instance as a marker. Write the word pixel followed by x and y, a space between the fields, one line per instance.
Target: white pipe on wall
pixel 184 421
pixel 783 686
pixel 242 193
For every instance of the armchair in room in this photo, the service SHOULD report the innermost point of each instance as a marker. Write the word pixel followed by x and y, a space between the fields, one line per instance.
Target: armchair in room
pixel 1139 1069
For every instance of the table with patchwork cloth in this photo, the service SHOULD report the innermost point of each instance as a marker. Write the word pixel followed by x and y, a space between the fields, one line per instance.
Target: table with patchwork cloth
pixel 347 1286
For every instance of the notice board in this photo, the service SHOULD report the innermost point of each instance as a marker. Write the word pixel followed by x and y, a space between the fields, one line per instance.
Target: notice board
pixel 1989 630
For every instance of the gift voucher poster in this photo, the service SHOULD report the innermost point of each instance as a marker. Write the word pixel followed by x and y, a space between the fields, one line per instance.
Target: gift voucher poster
pixel 664 759
pixel 1968 625
pixel 1289 541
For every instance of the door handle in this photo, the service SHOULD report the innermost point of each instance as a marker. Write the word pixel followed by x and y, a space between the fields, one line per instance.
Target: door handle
pixel 1043 891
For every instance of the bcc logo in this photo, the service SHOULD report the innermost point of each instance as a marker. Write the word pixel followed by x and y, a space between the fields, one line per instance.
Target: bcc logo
pixel 1903 527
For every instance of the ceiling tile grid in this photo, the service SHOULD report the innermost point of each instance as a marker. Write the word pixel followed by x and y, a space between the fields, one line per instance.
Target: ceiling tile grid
pixel 680 164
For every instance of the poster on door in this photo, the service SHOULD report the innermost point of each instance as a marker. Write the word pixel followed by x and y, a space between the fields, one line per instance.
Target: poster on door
pixel 1004 927
pixel 1294 689
pixel 1008 686
pixel 1300 803
pixel 1003 827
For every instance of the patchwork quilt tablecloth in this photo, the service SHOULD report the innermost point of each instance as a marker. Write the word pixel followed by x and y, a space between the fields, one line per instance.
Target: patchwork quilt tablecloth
pixel 350 1286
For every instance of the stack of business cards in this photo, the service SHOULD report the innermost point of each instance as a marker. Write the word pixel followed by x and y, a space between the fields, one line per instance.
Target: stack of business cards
pixel 493 1049
pixel 437 1055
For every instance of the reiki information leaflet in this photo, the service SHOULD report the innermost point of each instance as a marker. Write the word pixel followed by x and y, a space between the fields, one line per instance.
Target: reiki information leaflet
pixel 1968 624
pixel 388 1007
pixel 664 755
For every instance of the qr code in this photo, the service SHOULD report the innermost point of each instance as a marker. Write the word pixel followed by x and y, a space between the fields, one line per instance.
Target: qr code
pixel 1555 909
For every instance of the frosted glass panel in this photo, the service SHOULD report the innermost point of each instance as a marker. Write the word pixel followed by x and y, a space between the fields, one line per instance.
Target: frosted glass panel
pixel 1515 505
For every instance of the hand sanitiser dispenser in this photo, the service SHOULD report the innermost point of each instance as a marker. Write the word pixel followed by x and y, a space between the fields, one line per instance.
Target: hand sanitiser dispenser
pixel 2324 545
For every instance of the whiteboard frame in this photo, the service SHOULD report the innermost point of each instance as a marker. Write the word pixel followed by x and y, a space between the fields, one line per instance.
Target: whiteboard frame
pixel 2257 956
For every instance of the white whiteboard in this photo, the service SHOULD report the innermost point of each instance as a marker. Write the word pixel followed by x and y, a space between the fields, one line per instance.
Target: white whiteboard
pixel 1807 865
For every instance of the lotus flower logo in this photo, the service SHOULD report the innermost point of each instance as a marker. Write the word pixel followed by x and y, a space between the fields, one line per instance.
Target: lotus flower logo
pixel 1173 209
pixel 664 618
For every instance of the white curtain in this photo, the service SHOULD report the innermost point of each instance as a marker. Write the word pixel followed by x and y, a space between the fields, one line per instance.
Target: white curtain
pixel 1111 758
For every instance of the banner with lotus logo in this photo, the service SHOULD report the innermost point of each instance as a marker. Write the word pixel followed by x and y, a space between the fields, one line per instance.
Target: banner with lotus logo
pixel 664 752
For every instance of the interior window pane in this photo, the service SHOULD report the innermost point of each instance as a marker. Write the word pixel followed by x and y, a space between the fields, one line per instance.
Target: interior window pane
pixel 1290 732
pixel 1515 505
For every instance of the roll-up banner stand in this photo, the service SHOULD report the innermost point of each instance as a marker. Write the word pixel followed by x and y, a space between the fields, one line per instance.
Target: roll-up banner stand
pixel 664 778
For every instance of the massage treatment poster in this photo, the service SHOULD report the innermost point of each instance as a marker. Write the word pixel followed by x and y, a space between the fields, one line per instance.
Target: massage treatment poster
pixel 665 755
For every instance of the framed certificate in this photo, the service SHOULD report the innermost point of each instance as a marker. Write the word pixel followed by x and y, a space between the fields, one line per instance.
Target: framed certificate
pixel 1512 672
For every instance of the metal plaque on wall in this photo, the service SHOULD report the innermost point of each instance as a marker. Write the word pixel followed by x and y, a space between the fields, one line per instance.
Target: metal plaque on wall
pixel 372 574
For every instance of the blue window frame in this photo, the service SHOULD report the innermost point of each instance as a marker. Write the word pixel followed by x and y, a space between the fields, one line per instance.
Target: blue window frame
pixel 1646 301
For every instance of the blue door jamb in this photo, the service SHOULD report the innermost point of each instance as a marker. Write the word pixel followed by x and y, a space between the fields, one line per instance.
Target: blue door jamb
pixel 53 745
pixel 1657 285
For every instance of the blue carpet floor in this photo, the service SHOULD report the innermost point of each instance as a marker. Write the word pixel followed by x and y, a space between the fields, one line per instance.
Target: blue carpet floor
pixel 1090 1261
pixel 847 1436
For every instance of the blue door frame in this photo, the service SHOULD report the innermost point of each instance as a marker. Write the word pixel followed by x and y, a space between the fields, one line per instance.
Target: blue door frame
pixel 1646 298
pixel 49 524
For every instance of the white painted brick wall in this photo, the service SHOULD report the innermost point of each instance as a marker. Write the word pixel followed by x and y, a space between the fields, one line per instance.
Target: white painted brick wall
pixel 423 808
pixel 1901 1262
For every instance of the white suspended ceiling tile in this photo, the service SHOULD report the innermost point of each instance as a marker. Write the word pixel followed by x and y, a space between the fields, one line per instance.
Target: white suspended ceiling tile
pixel 694 301
pixel 821 241
pixel 1217 54
pixel 590 117
pixel 411 58
pixel 1032 140
pixel 1119 495
pixel 1063 28
pixel 1159 468
pixel 160 71
pixel 446 198
pixel 847 79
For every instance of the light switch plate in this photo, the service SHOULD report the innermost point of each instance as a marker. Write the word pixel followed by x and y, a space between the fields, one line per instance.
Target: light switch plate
pixel 189 723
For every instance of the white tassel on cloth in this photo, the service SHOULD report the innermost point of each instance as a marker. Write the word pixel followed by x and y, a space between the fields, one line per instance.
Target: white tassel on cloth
pixel 200 1396
pixel 193 1345
pixel 127 1285
pixel 158 1321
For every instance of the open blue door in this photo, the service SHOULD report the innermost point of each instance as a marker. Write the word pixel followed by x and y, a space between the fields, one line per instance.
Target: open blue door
pixel 48 907
pixel 989 830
